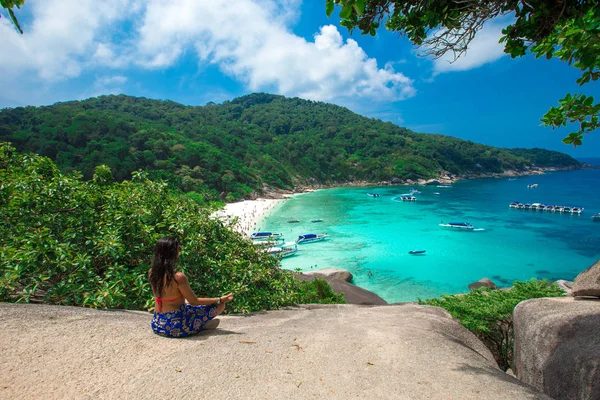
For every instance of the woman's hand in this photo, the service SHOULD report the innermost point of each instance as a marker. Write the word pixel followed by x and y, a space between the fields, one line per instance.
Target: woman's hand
pixel 227 298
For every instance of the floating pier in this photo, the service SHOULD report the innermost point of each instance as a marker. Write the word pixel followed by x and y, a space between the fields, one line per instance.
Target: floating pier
pixel 546 207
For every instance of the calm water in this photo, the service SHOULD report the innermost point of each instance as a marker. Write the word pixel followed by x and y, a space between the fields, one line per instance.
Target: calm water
pixel 371 237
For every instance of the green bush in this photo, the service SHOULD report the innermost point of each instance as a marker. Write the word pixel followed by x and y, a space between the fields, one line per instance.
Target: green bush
pixel 90 243
pixel 488 313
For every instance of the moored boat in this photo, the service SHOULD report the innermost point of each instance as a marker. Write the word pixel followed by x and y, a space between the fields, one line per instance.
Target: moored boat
pixel 293 221
pixel 444 186
pixel 316 220
pixel 416 252
pixel 532 186
pixel 311 237
pixel 373 194
pixel 285 250
pixel 266 236
pixel 596 217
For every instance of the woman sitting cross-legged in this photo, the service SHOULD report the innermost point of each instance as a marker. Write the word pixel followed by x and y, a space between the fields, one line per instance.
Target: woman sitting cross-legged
pixel 173 316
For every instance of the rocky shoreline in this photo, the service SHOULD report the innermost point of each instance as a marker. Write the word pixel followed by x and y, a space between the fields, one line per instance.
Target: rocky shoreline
pixel 444 178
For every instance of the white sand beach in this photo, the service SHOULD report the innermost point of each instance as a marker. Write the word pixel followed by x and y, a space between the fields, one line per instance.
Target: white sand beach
pixel 250 213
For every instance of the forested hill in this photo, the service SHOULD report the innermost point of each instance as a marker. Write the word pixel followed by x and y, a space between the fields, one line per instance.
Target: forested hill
pixel 248 143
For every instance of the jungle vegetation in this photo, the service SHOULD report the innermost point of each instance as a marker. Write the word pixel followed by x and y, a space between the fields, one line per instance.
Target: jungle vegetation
pixel 245 145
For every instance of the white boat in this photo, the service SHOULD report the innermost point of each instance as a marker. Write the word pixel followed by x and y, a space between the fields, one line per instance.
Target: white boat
pixel 576 210
pixel 436 193
pixel 444 186
pixel 515 204
pixel 596 217
pixel 373 194
pixel 266 236
pixel 532 185
pixel 413 191
pixel 285 250
pixel 407 197
pixel 461 226
pixel 311 237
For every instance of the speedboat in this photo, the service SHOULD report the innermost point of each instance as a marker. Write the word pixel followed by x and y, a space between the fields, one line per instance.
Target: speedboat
pixel 444 186
pixel 285 250
pixel 596 217
pixel 316 220
pixel 436 193
pixel 413 190
pixel 266 236
pixel 458 225
pixel 416 252
pixel 408 197
pixel 576 210
pixel 515 204
pixel 373 194
pixel 311 237
pixel 532 186
pixel 293 221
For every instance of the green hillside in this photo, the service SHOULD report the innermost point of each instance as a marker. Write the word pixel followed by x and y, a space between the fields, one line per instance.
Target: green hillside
pixel 248 143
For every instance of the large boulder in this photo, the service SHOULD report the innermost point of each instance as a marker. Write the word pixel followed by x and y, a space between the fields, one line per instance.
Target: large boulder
pixel 352 293
pixel 332 273
pixel 587 283
pixel 485 282
pixel 557 346
pixel 310 352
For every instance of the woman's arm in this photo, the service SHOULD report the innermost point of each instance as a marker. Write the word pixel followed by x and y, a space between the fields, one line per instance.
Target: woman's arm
pixel 184 287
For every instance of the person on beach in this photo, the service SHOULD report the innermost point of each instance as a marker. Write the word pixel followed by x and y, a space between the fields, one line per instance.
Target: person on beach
pixel 178 312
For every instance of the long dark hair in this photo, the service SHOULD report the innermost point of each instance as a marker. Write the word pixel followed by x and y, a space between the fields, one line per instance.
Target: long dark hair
pixel 163 264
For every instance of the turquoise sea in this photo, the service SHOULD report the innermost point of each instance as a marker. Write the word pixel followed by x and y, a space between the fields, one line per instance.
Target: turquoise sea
pixel 371 237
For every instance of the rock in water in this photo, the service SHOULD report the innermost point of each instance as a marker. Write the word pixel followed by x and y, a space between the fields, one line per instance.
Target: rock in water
pixel 587 283
pixel 557 346
pixel 485 282
pixel 337 273
pixel 352 294
pixel 567 286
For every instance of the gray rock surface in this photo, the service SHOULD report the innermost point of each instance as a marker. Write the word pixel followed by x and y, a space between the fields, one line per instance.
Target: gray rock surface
pixel 337 273
pixel 352 293
pixel 557 346
pixel 567 286
pixel 310 352
pixel 485 282
pixel 587 283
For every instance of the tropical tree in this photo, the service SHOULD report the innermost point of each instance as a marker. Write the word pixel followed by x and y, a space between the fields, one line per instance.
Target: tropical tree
pixel 565 29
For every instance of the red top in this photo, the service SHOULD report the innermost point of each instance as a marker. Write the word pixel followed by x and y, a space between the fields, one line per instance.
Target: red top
pixel 159 301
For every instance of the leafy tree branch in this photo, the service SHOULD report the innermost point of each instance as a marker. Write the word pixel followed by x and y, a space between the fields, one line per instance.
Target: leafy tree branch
pixel 9 5
pixel 566 29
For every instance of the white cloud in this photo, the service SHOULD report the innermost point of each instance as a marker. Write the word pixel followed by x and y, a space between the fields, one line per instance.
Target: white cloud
pixel 60 39
pixel 249 40
pixel 482 50
pixel 251 43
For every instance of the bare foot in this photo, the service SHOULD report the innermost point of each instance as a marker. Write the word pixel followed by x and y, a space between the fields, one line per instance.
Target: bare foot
pixel 212 324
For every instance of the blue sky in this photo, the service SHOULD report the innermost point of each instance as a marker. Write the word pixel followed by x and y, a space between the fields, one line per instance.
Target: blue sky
pixel 196 51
